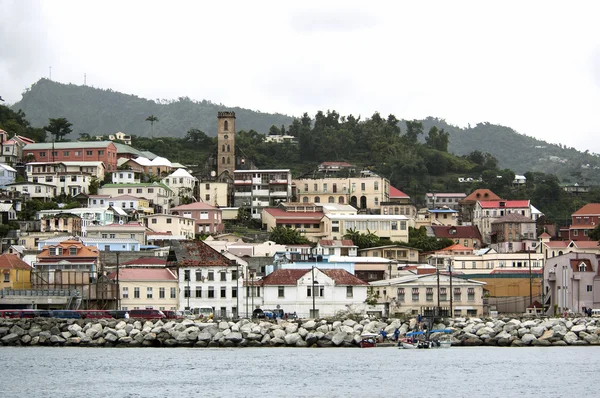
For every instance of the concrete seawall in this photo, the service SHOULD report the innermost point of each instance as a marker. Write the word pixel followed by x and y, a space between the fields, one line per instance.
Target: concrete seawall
pixel 301 333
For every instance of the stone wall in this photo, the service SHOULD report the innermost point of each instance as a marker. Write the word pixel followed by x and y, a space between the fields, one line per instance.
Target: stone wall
pixel 301 333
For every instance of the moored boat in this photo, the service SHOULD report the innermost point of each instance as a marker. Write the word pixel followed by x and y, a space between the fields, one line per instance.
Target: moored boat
pixel 368 340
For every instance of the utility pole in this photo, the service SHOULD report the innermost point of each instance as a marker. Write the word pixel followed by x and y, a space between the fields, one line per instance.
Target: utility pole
pixel 313 290
pixel 247 291
pixel 237 289
pixel 437 274
pixel 530 281
pixel 451 292
pixel 118 286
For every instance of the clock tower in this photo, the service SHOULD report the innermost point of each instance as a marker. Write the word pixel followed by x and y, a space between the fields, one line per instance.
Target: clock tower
pixel 226 143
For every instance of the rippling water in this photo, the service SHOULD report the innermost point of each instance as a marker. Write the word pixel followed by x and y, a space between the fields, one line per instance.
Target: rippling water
pixel 299 372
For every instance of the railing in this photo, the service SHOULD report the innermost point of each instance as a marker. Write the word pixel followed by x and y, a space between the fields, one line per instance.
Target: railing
pixel 40 292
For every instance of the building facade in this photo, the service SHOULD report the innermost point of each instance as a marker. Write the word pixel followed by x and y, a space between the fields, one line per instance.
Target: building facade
pixel 147 288
pixel 226 143
pixel 78 151
pixel 208 219
pixel 258 189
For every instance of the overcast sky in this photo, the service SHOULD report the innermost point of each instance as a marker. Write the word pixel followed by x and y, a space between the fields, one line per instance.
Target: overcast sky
pixel 530 65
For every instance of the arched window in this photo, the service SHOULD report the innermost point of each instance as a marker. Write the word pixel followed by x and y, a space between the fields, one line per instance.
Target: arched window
pixel 226 125
pixel 228 148
pixel 341 200
pixel 227 160
pixel 305 199
pixel 331 199
pixel 223 148
pixel 223 160
pixel 317 199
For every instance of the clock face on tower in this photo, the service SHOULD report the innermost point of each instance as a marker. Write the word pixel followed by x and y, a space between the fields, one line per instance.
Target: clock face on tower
pixel 225 136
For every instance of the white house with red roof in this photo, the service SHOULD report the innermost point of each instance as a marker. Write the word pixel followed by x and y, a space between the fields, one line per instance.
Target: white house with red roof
pixel 12 149
pixel 583 221
pixel 293 290
pixel 486 212
pixel 208 219
pixel 329 247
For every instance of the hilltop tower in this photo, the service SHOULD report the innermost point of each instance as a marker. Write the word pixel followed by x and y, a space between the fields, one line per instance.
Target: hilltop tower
pixel 226 143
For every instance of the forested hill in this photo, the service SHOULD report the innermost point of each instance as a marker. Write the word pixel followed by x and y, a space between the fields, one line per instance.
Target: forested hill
pixel 98 112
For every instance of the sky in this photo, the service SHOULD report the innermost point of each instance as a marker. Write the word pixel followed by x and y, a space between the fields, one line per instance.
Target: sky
pixel 533 66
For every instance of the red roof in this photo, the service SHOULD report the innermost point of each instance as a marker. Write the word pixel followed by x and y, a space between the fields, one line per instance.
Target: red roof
pixel 481 195
pixel 276 212
pixel 337 243
pixel 495 204
pixel 194 206
pixel 147 274
pixel 456 232
pixel 456 247
pixel 291 276
pixel 544 235
pixel 396 193
pixel 12 261
pixel 146 261
pixel 586 244
pixel 591 209
pixel 296 220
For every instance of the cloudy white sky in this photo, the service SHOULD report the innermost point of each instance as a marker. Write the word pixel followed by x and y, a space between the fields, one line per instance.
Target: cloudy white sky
pixel 533 66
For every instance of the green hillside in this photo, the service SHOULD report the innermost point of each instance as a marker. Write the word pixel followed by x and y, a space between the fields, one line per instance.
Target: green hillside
pixel 97 112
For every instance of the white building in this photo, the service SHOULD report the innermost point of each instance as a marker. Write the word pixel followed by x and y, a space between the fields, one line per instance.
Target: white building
pixel 207 278
pixel 67 177
pixel 293 290
pixel 394 228
pixel 214 193
pixel 181 183
pixel 258 189
pixel 125 177
pixel 89 216
pixel 157 194
pixel 176 225
pixel 33 190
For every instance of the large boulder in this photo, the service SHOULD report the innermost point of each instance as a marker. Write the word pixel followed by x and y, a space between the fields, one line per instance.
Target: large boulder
pixel 309 325
pixel 291 328
pixel 578 328
pixel 528 338
pixel 278 333
pixel 292 338
pixel 570 338
pixel 235 337
pixel 537 331
pixel 559 331
pixel 338 338
pixel 10 338
pixel 349 322
pixel 74 329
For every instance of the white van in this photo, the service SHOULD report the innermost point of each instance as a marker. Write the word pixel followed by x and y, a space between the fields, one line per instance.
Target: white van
pixel 203 312
pixel 595 313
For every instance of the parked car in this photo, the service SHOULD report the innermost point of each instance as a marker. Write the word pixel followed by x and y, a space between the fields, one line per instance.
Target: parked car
pixel 147 314
pixel 173 314
pixel 66 314
pixel 117 314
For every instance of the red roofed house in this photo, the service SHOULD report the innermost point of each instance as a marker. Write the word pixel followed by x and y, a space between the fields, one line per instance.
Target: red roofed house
pixel 15 273
pixel 155 288
pixel 334 290
pixel 486 212
pixel 467 235
pixel 207 278
pixel 328 247
pixel 306 217
pixel 209 219
pixel 455 250
pixel 398 204
pixel 583 221
pixel 466 207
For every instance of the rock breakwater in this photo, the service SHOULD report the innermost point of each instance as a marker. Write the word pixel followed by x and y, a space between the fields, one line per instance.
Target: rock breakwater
pixel 301 333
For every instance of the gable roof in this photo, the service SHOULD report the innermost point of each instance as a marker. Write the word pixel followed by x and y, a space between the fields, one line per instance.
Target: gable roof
pixel 396 193
pixel 481 195
pixel 290 277
pixel 456 247
pixel 460 231
pixel 336 243
pixel 146 261
pixel 147 274
pixel 195 253
pixel 12 261
pixel 180 173
pixel 590 209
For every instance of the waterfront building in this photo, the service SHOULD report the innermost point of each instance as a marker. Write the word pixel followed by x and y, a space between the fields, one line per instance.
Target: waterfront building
pixel 147 288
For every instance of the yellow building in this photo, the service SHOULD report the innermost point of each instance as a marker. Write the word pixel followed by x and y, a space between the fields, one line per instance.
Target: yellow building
pixel 16 274
pixel 142 288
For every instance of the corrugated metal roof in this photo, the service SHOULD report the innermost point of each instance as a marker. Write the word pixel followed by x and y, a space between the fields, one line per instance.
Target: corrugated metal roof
pixel 145 274
pixel 12 261
pixel 68 145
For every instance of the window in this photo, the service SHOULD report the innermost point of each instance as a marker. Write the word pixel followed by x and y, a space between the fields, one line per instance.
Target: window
pixel 198 291
pixel 211 275
pixel 112 236
pixel 6 277
pixel 42 154
pixel 443 294
pixel 211 292
pixel 376 185
pixel 186 275
pixel 457 294
pixel 120 190
pixel 173 292
pixel 125 292
pixel 401 294
pixel 281 291
pixel 588 288
pixel 186 292
pixel 150 190
pixel 169 221
pixel 149 292
pixel 234 275
pixel 335 226
pixel 234 292
pixel 198 276
pixel 223 276
pixel 136 292
pixel 89 153
pixel 429 294
pixel 471 294
pixel 349 291
pixel 394 225
pixel 415 294
pixel 72 251
pixel 319 291
pixel 362 186
pixel 104 236
pixel 161 292
pixel 223 292
pixel 154 221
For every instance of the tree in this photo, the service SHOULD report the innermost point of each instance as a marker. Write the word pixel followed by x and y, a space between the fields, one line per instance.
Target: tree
pixel 413 130
pixel 152 119
pixel 58 128
pixel 287 236
pixel 594 234
pixel 363 241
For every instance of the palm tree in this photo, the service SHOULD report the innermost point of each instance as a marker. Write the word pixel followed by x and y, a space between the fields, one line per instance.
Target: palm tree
pixel 152 119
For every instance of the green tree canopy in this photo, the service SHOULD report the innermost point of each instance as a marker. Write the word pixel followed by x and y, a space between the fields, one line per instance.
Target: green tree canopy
pixel 287 236
pixel 59 128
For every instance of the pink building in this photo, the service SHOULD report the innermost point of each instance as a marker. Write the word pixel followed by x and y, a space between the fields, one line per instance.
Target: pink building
pixel 209 219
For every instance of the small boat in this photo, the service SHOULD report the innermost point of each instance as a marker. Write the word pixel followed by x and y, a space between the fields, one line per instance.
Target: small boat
pixel 443 341
pixel 412 340
pixel 368 340
pixel 422 340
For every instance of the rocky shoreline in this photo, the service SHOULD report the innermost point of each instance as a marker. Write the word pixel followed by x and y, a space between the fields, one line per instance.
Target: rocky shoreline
pixel 301 333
